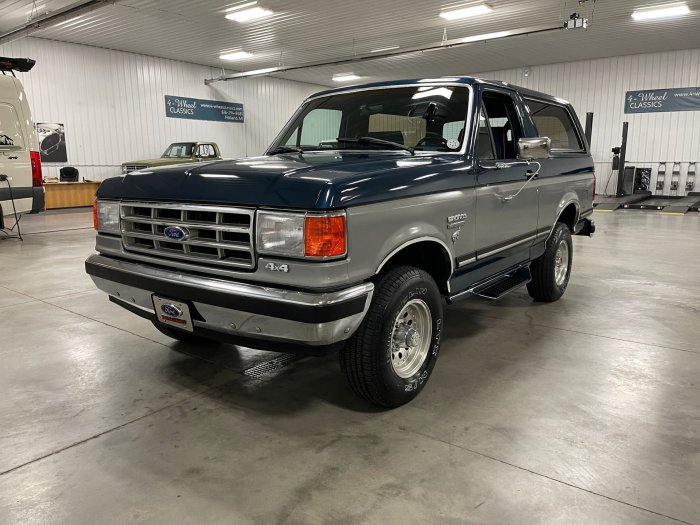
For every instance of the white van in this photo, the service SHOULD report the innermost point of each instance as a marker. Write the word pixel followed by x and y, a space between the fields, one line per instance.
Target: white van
pixel 20 162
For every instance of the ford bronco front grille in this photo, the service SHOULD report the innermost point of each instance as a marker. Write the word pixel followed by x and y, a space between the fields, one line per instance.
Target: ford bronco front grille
pixel 212 235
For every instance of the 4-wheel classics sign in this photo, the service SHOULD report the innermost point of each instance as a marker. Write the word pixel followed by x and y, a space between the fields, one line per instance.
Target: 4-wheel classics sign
pixel 659 100
pixel 201 109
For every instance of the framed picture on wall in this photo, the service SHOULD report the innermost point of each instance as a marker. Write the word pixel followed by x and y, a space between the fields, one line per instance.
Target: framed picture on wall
pixel 52 142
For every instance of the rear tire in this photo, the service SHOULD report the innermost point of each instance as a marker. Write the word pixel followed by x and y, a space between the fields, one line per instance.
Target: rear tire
pixel 551 271
pixel 389 359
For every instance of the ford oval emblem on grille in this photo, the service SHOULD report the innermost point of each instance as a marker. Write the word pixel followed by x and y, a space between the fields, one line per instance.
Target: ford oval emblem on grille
pixel 176 233
pixel 171 310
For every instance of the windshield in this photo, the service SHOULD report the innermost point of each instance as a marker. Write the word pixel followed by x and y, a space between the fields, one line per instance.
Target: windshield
pixel 179 150
pixel 425 118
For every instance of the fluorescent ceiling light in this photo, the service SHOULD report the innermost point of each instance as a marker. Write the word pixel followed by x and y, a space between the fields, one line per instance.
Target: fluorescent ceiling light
pixel 441 79
pixel 486 36
pixel 235 55
pixel 345 77
pixel 390 48
pixel 661 11
pixel 251 12
pixel 433 92
pixel 464 12
pixel 241 6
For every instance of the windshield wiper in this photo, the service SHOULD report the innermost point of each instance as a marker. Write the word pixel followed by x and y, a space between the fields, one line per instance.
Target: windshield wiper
pixel 286 149
pixel 378 142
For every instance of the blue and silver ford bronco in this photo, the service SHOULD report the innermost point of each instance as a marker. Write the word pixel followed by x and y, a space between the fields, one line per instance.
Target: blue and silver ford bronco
pixel 372 207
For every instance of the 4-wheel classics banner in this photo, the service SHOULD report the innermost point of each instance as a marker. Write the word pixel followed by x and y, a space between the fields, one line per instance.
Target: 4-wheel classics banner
pixel 201 109
pixel 659 100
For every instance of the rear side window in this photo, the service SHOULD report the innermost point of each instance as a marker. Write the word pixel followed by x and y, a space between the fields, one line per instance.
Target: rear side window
pixel 10 128
pixel 556 123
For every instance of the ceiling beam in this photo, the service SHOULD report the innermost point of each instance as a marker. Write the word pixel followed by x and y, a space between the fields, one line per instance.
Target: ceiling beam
pixel 53 18
pixel 457 42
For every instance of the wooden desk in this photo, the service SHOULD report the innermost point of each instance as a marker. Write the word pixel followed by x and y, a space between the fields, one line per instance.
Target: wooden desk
pixel 70 194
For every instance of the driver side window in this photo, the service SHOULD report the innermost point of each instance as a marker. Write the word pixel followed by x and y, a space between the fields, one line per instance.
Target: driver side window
pixel 503 124
pixel 484 145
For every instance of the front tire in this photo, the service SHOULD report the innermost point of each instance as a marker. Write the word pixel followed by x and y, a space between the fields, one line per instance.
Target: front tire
pixel 551 271
pixel 389 359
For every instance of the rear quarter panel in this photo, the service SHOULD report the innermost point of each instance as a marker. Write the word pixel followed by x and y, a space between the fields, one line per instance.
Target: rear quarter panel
pixel 564 179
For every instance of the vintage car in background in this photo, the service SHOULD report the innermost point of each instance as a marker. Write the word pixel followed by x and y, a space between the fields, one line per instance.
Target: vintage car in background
pixel 177 153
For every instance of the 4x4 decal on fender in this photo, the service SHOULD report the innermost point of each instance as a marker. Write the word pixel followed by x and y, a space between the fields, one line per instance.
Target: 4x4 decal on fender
pixel 273 267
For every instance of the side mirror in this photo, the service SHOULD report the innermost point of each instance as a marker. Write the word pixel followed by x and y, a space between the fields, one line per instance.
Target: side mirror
pixel 534 148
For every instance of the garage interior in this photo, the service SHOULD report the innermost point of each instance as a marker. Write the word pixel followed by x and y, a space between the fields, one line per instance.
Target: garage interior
pixel 585 410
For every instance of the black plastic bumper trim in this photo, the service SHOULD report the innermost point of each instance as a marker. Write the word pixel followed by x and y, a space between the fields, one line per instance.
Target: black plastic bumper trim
pixel 22 192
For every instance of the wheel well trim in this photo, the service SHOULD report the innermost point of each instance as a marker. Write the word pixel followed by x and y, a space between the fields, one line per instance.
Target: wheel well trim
pixel 415 241
pixel 563 207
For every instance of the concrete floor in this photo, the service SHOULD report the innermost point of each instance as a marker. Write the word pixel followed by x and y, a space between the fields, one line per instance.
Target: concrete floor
pixel 582 411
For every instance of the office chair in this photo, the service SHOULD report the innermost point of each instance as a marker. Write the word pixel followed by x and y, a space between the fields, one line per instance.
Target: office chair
pixel 68 174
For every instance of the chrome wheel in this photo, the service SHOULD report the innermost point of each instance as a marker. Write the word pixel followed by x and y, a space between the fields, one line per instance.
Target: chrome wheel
pixel 561 263
pixel 410 339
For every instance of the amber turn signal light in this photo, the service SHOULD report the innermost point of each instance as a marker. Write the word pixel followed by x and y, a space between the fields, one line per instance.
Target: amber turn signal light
pixel 324 236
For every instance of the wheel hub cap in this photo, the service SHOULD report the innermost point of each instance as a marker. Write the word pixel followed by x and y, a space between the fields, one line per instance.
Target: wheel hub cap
pixel 561 263
pixel 411 337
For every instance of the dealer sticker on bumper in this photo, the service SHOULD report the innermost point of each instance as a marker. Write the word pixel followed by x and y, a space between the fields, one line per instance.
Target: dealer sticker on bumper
pixel 173 313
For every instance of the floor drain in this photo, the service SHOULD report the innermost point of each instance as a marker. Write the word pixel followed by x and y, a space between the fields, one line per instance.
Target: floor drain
pixel 262 369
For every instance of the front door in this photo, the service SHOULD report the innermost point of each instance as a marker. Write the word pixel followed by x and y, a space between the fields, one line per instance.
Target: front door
pixel 506 208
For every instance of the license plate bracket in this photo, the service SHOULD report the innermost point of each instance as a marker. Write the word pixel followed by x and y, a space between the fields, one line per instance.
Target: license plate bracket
pixel 173 313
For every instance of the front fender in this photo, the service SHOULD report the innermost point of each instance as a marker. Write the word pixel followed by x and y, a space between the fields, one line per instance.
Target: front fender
pixel 378 231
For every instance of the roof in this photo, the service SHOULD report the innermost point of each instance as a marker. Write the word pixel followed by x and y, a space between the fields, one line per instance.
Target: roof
pixel 456 80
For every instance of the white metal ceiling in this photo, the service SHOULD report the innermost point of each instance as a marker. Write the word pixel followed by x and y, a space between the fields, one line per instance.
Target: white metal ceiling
pixel 15 13
pixel 303 31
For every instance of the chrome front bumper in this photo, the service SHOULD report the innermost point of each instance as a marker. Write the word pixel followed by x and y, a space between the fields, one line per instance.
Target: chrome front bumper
pixel 234 309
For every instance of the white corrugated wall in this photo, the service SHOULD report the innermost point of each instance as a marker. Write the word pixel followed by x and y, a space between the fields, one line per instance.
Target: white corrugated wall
pixel 600 85
pixel 112 104
pixel 113 108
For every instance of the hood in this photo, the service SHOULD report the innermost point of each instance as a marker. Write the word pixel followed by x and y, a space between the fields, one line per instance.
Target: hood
pixel 324 180
pixel 160 161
